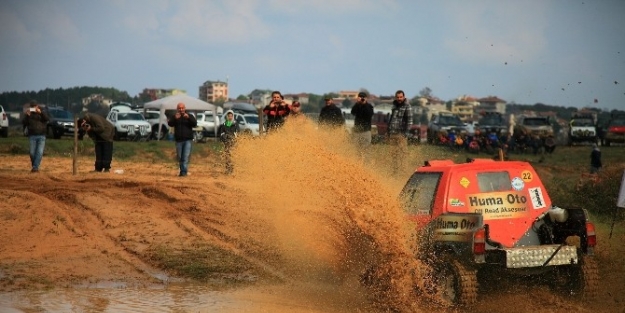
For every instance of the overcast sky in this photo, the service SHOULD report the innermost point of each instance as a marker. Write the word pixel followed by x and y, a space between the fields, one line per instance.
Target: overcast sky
pixel 566 53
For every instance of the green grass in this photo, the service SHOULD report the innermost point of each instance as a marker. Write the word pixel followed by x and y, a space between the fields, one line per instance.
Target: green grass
pixel 122 150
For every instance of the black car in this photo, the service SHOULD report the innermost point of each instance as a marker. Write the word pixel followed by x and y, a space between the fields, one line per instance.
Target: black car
pixel 61 122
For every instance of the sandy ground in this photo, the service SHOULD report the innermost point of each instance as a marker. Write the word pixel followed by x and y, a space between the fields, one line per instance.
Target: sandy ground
pixel 302 209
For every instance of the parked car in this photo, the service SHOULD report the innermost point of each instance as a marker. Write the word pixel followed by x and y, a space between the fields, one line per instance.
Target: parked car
pixel 615 132
pixel 248 123
pixel 208 122
pixel 129 124
pixel 444 122
pixel 4 123
pixel 239 107
pixel 153 117
pixel 61 122
pixel 493 122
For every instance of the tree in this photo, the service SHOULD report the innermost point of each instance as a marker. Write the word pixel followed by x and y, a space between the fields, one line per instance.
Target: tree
pixel 426 92
pixel 243 97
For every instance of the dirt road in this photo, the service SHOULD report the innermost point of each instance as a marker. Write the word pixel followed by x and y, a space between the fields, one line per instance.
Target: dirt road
pixel 301 209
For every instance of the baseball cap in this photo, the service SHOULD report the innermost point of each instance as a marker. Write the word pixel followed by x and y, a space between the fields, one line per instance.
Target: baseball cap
pixel 362 95
pixel 296 104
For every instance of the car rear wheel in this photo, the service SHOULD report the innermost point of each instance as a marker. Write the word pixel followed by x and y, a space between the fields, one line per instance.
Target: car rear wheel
pixel 456 284
pixel 159 135
pixel 198 136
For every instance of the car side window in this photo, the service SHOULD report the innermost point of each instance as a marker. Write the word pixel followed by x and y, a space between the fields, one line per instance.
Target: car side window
pixel 240 119
pixel 494 181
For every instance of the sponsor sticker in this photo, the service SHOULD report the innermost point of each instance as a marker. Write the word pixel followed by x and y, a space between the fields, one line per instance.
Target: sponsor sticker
pixel 464 182
pixel 518 184
pixel 456 202
pixel 536 195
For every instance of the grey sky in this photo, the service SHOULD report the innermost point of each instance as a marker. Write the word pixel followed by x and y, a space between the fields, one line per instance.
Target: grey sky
pixel 564 53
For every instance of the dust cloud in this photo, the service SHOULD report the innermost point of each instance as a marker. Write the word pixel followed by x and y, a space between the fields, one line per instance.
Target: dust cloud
pixel 331 210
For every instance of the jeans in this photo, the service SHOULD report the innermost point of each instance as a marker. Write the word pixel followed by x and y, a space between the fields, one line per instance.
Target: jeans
pixel 37 143
pixel 183 151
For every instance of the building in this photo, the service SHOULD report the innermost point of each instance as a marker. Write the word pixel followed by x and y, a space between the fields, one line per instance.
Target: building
pixel 96 98
pixel 491 104
pixel 214 91
pixel 464 107
pixel 158 93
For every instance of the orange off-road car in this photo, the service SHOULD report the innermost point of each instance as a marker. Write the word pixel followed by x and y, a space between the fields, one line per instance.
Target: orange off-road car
pixel 482 219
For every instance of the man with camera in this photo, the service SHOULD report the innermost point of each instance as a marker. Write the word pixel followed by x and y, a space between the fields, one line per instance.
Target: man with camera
pixel 35 122
pixel 276 111
pixel 363 113
pixel 102 133
pixel 183 124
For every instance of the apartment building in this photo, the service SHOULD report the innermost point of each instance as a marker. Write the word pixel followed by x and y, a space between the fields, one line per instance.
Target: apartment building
pixel 491 104
pixel 214 91
pixel 464 107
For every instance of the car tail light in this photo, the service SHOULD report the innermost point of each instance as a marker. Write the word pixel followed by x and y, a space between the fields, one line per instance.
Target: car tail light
pixel 479 241
pixel 616 129
pixel 591 238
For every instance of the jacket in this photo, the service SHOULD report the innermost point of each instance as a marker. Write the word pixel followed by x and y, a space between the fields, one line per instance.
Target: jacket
pixel 276 115
pixel 363 113
pixel 183 127
pixel 401 118
pixel 36 123
pixel 227 133
pixel 101 129
pixel 331 115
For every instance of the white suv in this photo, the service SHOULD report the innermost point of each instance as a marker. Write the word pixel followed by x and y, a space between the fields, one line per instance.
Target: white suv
pixel 248 123
pixel 4 123
pixel 129 124
pixel 152 117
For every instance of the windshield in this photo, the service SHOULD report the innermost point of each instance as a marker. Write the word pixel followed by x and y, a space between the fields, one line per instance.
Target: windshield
pixel 491 119
pixel 418 195
pixel 617 122
pixel 60 114
pixel 130 116
pixel 450 120
pixel 535 122
pixel 251 119
pixel 582 122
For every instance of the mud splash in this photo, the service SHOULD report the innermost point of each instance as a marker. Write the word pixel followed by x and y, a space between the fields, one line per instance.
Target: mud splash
pixel 333 215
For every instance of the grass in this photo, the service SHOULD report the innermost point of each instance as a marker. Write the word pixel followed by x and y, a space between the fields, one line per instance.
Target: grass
pixel 122 150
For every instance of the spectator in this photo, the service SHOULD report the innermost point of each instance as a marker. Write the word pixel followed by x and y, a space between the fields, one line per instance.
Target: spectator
pixel 101 132
pixel 363 113
pixel 35 122
pixel 330 114
pixel 183 124
pixel 276 111
pixel 595 159
pixel 296 109
pixel 228 132
pixel 399 129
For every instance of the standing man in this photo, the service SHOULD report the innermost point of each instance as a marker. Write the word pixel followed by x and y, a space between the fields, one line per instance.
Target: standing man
pixel 595 159
pixel 183 124
pixel 228 132
pixel 276 111
pixel 330 114
pixel 363 113
pixel 399 129
pixel 101 132
pixel 35 122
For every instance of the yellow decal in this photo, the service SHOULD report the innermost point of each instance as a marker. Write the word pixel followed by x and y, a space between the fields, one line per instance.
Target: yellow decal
pixel 464 182
pixel 527 176
pixel 498 205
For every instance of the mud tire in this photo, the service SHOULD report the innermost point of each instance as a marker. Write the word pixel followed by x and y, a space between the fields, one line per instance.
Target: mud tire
pixel 456 284
pixel 582 280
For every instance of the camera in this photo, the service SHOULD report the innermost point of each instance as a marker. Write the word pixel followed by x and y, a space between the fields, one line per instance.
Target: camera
pixel 33 109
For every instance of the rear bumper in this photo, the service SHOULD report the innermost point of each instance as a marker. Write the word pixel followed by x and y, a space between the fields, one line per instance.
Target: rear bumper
pixel 539 256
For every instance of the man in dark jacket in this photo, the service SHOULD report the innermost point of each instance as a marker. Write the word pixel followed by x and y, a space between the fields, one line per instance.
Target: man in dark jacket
pixel 330 114
pixel 36 122
pixel 595 159
pixel 101 132
pixel 276 111
pixel 399 129
pixel 363 113
pixel 183 124
pixel 228 132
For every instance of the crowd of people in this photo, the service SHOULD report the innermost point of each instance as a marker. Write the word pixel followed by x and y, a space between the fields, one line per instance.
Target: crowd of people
pixel 277 112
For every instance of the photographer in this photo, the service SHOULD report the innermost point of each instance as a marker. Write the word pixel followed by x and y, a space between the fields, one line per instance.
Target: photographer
pixel 183 124
pixel 102 133
pixel 35 122
pixel 228 132
pixel 276 111
pixel 363 113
